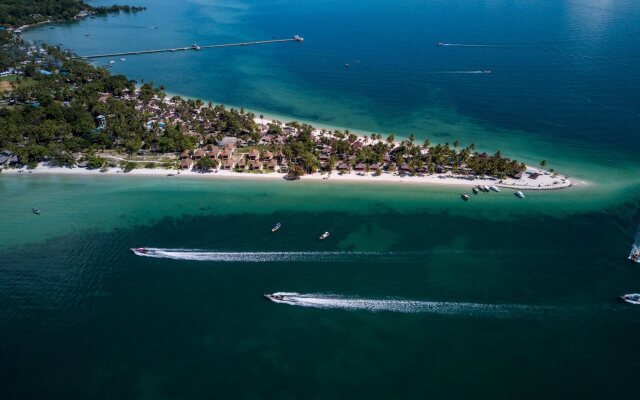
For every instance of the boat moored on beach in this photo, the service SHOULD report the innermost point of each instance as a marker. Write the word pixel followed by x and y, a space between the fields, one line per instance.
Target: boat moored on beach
pixel 495 189
pixel 635 254
pixel 632 298
pixel 324 236
pixel 519 194
pixel 276 227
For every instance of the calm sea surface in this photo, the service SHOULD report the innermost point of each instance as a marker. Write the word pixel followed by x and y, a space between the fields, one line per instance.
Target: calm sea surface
pixel 416 294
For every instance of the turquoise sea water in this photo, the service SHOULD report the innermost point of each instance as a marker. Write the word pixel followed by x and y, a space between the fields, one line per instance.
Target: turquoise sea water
pixel 415 294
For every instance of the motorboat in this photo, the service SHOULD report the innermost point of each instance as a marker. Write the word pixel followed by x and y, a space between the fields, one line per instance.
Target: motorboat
pixel 494 188
pixel 632 298
pixel 485 188
pixel 298 38
pixel 195 47
pixel 273 297
pixel 276 227
pixel 35 211
pixel 635 254
pixel 441 44
pixel 123 59
pixel 486 71
pixel 324 236
pixel 112 62
pixel 140 250
pixel 519 194
pixel 465 197
pixel 475 190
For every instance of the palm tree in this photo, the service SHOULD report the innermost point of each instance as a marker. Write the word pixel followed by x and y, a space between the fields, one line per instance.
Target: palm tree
pixel 391 138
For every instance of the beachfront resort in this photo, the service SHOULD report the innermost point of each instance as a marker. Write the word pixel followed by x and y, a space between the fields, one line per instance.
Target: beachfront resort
pixel 58 111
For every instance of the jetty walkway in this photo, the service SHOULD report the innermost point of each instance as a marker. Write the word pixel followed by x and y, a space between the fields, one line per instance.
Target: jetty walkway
pixel 195 47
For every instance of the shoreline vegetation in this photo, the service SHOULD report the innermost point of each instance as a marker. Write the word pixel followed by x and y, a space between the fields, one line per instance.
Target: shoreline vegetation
pixel 17 15
pixel 58 113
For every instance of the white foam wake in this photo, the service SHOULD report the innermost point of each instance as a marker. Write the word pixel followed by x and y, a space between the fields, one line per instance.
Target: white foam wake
pixel 407 306
pixel 307 256
pixel 461 72
pixel 253 256
pixel 467 45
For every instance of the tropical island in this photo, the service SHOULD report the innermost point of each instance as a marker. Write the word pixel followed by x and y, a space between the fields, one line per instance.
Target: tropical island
pixel 59 113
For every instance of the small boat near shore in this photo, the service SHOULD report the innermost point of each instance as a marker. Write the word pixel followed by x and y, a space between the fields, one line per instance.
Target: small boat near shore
pixel 324 236
pixel 635 254
pixel 475 190
pixel 276 227
pixel 519 194
pixel 632 298
pixel 35 211
pixel 495 189
pixel 465 196
pixel 484 188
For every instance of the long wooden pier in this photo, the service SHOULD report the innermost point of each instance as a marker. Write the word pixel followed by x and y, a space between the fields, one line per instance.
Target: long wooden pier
pixel 195 47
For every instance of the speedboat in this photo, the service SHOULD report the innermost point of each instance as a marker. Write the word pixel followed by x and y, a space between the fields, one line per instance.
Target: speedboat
pixel 494 188
pixel 324 236
pixel 140 250
pixel 485 188
pixel 123 59
pixel 635 254
pixel 519 194
pixel 465 197
pixel 276 227
pixel 441 44
pixel 633 298
pixel 35 210
pixel 112 62
pixel 486 71
pixel 475 190
pixel 273 297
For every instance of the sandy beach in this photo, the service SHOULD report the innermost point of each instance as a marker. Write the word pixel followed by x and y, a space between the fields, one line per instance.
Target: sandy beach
pixel 545 181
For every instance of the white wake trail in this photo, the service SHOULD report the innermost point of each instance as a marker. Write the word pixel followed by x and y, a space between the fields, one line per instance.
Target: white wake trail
pixel 461 72
pixel 253 256
pixel 407 306
pixel 467 45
